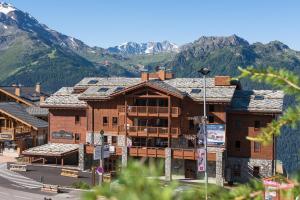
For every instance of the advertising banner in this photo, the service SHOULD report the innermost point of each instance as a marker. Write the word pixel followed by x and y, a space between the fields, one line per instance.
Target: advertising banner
pixel 215 134
pixel 201 160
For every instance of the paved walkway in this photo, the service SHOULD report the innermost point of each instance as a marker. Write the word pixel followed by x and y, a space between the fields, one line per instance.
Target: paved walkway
pixel 18 179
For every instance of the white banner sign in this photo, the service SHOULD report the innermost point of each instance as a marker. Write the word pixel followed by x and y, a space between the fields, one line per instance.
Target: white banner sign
pixel 97 153
pixel 201 160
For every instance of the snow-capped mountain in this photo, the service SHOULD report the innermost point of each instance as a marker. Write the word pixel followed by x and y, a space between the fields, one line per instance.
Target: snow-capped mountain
pixel 133 48
pixel 14 21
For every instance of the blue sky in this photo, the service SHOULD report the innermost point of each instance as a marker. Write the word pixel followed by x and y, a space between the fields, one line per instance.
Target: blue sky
pixel 111 22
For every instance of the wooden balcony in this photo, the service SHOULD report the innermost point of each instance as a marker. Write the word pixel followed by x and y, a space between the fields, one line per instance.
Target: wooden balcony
pixel 149 111
pixel 153 152
pixel 191 154
pixel 147 131
pixel 13 133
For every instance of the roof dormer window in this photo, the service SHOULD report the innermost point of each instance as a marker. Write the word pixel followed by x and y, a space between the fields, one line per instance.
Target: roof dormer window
pixel 195 91
pixel 103 89
pixel 93 81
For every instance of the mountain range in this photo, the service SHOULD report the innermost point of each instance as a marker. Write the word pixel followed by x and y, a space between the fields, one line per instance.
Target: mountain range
pixel 31 52
pixel 133 48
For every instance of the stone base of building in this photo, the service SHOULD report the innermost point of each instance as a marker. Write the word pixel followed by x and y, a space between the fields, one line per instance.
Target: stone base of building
pixel 245 169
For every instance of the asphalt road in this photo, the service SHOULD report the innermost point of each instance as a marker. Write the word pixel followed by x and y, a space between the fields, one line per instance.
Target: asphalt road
pixel 13 192
pixel 25 185
pixel 51 175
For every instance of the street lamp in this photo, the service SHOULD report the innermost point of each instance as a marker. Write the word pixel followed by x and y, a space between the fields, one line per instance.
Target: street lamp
pixel 204 71
pixel 101 158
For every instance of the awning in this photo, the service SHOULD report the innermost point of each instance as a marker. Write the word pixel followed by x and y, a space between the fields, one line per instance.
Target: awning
pixel 52 150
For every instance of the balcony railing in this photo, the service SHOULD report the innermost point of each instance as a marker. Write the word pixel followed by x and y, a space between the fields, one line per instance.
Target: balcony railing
pixel 147 131
pixel 147 152
pixel 149 111
pixel 13 133
pixel 191 154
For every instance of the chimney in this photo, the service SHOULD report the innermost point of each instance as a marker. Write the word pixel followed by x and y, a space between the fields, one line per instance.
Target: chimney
pixel 38 88
pixel 222 80
pixel 42 99
pixel 17 91
pixel 162 74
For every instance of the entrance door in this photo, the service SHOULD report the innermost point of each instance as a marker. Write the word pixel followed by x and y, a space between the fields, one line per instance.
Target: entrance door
pixel 190 169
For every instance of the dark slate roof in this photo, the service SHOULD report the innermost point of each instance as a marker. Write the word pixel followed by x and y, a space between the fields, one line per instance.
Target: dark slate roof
pixel 26 93
pixel 258 101
pixel 19 111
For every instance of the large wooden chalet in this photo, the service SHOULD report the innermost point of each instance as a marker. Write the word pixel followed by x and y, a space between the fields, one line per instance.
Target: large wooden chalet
pixel 154 117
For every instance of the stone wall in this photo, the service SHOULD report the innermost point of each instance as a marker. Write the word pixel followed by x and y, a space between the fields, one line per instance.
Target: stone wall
pixel 246 165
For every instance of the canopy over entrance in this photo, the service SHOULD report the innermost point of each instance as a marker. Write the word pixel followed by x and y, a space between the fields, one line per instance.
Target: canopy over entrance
pixel 52 149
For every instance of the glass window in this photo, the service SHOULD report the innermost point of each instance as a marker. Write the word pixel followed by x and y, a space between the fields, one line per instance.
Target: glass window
pixel 238 145
pixel 115 120
pixel 191 124
pixel 211 108
pixel 256 124
pixel 256 147
pixel 105 121
pixel 77 119
pixel 255 172
pixel 114 139
pixel 211 119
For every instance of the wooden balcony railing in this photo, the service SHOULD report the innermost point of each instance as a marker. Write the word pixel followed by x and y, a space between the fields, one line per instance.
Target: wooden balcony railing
pixel 191 154
pixel 147 152
pixel 147 131
pixel 12 133
pixel 149 111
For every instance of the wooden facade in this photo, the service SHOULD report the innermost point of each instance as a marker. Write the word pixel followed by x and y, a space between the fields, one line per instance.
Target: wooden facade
pixel 152 118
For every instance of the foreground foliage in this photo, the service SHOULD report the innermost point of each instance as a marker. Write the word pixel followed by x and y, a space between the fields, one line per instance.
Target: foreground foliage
pixel 283 80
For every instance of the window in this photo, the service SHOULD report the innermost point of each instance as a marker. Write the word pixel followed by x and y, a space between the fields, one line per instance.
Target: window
pixel 195 91
pixel 103 89
pixel 191 143
pixel 114 139
pixel 238 145
pixel 259 97
pixel 191 125
pixel 105 139
pixel 256 147
pixel 256 124
pixel 114 121
pixel 211 108
pixel 77 136
pixel 77 119
pixel 105 121
pixel 93 81
pixel 211 119
pixel 255 172
pixel 237 170
pixel 119 89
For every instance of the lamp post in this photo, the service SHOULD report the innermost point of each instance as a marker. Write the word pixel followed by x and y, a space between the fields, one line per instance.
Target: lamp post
pixel 101 158
pixel 205 71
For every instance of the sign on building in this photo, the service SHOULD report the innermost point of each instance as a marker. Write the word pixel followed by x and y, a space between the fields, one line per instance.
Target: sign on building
pixel 101 153
pixel 201 159
pixel 215 134
pixel 106 152
pixel 97 153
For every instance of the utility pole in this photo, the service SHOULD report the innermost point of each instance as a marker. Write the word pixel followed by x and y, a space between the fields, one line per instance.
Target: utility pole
pixel 204 71
pixel 102 157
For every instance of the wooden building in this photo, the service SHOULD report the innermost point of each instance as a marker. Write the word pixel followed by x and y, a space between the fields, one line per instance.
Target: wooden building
pixel 155 116
pixel 19 130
